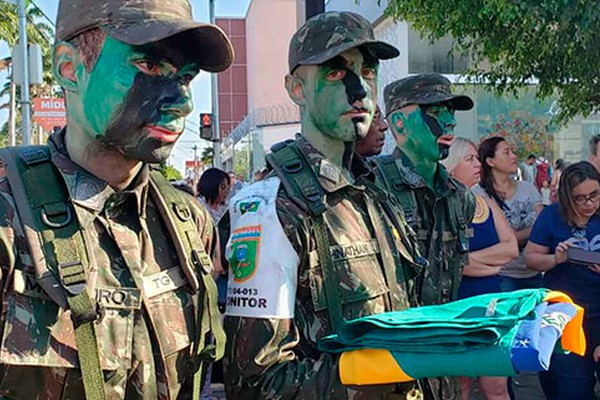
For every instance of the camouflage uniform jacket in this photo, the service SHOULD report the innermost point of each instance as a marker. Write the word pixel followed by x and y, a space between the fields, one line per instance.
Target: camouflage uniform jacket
pixel 147 311
pixel 440 218
pixel 278 358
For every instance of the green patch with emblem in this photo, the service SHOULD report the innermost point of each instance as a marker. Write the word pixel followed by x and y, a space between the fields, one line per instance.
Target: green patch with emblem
pixel 245 244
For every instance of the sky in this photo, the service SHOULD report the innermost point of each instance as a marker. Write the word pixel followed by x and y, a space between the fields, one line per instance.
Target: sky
pixel 201 91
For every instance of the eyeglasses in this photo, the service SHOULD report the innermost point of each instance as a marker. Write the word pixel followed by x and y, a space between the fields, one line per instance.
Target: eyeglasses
pixel 582 199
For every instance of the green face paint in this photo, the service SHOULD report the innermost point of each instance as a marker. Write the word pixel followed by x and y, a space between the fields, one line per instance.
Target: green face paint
pixel 340 95
pixel 134 100
pixel 421 128
pixel 444 117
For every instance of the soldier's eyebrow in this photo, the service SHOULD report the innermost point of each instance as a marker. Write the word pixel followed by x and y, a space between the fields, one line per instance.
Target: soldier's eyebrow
pixel 337 62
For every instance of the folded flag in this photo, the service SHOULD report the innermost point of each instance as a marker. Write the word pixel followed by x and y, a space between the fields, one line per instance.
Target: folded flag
pixel 535 340
pixel 489 335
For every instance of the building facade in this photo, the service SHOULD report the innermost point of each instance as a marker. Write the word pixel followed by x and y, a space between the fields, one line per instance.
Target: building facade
pixel 526 121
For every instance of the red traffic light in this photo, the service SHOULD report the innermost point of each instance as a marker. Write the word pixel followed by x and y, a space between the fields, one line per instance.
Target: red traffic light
pixel 206 120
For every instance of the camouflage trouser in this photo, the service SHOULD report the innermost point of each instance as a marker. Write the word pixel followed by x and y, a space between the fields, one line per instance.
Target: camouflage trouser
pixel 443 388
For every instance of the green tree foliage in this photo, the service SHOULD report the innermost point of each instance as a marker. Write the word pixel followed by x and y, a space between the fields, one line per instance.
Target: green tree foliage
pixel 241 162
pixel 513 41
pixel 170 172
pixel 38 32
pixel 207 156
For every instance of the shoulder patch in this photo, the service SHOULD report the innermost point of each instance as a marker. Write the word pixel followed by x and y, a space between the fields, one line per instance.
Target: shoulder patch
pixel 263 264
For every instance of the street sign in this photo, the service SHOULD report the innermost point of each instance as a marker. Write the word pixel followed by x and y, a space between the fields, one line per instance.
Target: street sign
pixel 35 64
pixel 49 113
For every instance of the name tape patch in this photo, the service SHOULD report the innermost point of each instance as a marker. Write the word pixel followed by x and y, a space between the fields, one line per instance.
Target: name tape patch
pixel 119 298
pixel 164 281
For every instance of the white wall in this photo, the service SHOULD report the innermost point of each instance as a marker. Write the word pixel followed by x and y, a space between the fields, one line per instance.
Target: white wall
pixel 270 25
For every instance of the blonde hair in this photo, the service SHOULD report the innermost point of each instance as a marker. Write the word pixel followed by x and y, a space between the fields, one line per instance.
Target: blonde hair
pixel 460 147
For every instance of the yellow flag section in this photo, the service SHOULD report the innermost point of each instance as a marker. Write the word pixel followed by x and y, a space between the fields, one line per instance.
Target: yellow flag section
pixel 380 366
pixel 370 367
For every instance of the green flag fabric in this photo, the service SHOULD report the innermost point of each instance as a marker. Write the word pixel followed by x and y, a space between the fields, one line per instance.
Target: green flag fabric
pixel 476 336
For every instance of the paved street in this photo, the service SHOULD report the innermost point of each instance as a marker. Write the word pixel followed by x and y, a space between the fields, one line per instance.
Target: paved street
pixel 526 387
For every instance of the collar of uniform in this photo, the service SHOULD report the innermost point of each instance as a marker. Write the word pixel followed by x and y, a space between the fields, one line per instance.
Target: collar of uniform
pixel 331 177
pixel 362 169
pixel 442 182
pixel 87 191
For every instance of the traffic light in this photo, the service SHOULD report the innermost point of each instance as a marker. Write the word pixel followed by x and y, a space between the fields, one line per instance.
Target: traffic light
pixel 206 126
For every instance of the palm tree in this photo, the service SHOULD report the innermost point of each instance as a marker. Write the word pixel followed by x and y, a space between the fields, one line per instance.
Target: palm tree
pixel 38 32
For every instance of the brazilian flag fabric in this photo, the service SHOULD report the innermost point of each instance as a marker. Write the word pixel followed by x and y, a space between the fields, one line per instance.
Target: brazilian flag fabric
pixel 496 334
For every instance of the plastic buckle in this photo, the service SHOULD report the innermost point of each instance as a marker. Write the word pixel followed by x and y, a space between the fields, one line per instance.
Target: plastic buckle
pixel 182 212
pixel 69 272
pixel 202 259
pixel 292 167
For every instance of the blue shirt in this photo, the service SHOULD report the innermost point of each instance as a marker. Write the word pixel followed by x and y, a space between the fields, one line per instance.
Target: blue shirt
pixel 576 280
pixel 484 229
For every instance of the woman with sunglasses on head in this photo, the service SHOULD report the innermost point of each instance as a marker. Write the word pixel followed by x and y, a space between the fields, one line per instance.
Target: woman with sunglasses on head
pixel 573 222
pixel 519 200
pixel 492 245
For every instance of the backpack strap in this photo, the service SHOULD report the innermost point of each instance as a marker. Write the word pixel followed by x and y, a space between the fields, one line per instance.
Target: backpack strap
pixel 56 242
pixel 389 174
pixel 303 187
pixel 195 262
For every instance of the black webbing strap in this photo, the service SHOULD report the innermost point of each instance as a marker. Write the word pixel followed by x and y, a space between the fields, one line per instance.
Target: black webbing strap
pixel 304 189
pixel 195 262
pixel 42 202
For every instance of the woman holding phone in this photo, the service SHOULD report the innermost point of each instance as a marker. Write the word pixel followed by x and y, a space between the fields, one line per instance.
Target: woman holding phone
pixel 573 222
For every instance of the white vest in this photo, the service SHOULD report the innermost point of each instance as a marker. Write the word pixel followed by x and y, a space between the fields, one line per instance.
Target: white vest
pixel 263 263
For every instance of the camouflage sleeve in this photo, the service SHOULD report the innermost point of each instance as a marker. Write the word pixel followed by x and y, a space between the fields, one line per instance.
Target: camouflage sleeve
pixel 261 362
pixel 208 233
pixel 265 357
pixel 7 237
pixel 469 204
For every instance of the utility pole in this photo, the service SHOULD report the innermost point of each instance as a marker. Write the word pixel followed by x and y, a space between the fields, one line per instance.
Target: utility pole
pixel 314 7
pixel 25 105
pixel 195 148
pixel 215 101
pixel 12 114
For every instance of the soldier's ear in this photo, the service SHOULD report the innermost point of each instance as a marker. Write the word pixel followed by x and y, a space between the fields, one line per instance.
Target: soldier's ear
pixel 396 121
pixel 295 88
pixel 67 66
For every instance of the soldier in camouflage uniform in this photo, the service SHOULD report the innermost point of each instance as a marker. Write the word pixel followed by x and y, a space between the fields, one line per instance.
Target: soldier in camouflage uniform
pixel 125 66
pixel 316 242
pixel 420 111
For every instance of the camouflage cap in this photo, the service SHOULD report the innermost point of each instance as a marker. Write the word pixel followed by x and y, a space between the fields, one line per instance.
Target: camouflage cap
pixel 139 22
pixel 422 89
pixel 329 34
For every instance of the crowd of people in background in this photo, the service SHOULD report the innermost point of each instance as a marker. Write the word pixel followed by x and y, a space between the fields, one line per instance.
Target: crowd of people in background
pixel 527 216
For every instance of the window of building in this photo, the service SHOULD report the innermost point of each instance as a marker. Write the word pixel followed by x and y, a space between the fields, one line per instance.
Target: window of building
pixel 424 56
